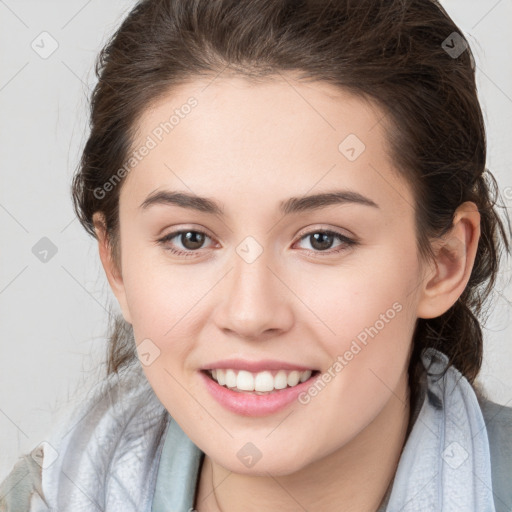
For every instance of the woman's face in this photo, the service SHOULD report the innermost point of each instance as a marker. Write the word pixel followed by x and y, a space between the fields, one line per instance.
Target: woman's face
pixel 265 282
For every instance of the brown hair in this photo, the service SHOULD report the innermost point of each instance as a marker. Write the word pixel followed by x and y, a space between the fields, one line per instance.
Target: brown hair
pixel 394 52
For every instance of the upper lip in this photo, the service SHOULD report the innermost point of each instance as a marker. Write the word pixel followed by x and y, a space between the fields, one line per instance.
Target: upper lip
pixel 254 366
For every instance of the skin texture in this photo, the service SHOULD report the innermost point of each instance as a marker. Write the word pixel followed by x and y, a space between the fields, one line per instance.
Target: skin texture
pixel 249 147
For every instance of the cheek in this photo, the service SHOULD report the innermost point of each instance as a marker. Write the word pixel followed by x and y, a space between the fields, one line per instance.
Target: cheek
pixel 371 297
pixel 163 305
pixel 158 293
pixel 165 301
pixel 371 322
pixel 368 318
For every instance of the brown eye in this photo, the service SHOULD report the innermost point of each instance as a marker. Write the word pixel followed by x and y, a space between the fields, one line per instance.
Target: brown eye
pixel 190 241
pixel 322 240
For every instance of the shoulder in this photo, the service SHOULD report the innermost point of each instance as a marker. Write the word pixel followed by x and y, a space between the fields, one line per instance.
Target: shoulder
pixel 498 422
pixel 498 418
pixel 21 490
pixel 102 450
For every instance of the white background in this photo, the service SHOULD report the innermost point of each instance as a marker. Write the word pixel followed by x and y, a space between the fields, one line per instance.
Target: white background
pixel 53 315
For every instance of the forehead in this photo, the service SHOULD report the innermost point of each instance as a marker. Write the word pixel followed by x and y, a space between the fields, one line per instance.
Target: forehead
pixel 281 137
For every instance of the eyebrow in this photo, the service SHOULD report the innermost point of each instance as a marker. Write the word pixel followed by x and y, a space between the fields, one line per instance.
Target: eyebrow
pixel 287 207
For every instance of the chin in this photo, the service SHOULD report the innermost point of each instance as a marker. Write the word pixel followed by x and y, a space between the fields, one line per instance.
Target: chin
pixel 275 465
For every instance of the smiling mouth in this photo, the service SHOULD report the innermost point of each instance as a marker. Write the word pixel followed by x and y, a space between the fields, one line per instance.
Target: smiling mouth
pixel 260 383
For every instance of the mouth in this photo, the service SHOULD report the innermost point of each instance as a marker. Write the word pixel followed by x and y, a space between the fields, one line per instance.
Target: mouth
pixel 259 383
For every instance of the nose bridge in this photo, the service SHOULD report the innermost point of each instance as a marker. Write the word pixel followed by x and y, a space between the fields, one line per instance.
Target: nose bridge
pixel 251 275
pixel 253 302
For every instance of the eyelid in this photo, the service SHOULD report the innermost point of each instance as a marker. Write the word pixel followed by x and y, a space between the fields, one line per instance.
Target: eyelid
pixel 172 230
pixel 179 231
pixel 319 227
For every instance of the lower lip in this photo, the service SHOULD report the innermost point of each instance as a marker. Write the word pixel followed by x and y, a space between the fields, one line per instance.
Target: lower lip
pixel 248 404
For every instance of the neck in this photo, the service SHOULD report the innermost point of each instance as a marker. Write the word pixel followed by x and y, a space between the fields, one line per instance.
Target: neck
pixel 357 475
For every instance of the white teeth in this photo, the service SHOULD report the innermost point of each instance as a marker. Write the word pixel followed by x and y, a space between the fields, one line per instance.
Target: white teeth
pixel 261 382
pixel 245 381
pixel 280 380
pixel 293 378
pixel 305 375
pixel 230 378
pixel 264 381
pixel 220 376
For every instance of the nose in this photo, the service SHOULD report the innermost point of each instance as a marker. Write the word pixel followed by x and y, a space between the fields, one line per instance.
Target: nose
pixel 255 302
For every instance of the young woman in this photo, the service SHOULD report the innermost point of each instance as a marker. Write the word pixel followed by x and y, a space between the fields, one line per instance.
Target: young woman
pixel 293 211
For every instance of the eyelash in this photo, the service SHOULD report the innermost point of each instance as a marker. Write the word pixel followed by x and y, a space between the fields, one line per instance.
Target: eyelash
pixel 347 242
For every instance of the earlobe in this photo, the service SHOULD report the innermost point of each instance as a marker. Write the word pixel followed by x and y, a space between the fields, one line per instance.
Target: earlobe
pixel 454 259
pixel 110 267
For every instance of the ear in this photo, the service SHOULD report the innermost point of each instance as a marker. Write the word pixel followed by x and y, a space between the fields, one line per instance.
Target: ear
pixel 113 273
pixel 454 258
